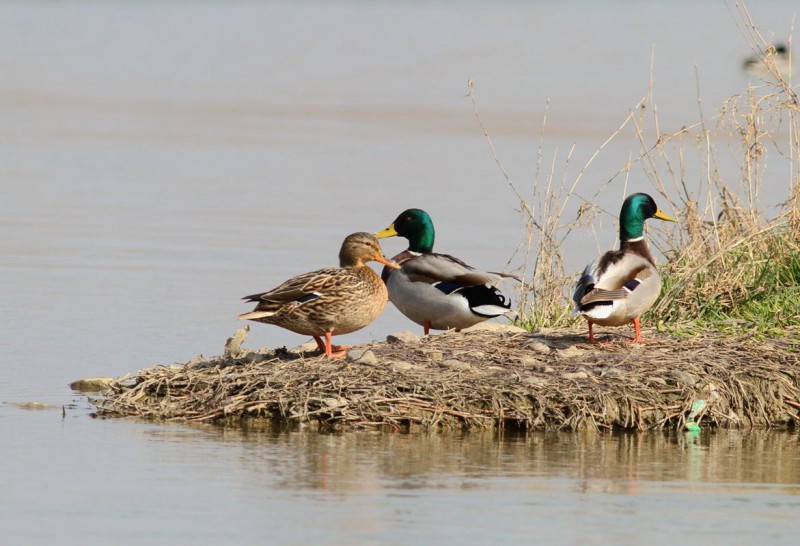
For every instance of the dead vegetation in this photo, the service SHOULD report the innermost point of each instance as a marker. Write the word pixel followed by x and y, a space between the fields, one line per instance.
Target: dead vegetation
pixel 481 379
pixel 732 263
pixel 731 291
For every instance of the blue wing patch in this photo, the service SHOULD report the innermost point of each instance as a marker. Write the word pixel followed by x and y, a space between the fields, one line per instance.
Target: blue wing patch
pixel 632 284
pixel 448 287
pixel 308 297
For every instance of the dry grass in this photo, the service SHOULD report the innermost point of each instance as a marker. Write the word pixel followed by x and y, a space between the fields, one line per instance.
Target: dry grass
pixel 731 265
pixel 481 379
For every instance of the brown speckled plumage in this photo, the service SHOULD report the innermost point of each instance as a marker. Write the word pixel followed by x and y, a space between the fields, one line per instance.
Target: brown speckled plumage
pixel 330 301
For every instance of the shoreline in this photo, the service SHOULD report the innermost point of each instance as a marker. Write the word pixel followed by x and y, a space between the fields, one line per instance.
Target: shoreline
pixel 491 377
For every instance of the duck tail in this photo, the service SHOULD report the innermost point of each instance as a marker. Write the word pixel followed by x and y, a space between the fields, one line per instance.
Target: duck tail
pixel 486 301
pixel 256 315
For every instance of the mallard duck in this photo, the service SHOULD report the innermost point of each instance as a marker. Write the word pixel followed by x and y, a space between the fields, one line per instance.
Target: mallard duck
pixel 759 65
pixel 624 283
pixel 331 301
pixel 438 291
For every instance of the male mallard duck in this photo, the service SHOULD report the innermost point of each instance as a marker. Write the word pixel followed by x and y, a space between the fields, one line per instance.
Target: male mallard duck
pixel 328 301
pixel 624 283
pixel 437 290
pixel 759 65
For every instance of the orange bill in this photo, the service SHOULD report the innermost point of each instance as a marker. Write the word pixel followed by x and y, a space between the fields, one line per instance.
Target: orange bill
pixel 388 263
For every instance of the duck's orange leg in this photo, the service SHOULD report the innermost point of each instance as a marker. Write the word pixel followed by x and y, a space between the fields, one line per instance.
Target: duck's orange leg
pixel 426 327
pixel 321 344
pixel 331 350
pixel 637 328
pixel 637 338
pixel 334 351
pixel 592 339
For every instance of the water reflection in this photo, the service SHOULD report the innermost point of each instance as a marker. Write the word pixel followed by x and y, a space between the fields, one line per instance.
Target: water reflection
pixel 153 176
pixel 214 485
pixel 352 462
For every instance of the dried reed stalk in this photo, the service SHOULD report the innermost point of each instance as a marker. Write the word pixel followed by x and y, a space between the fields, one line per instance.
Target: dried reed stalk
pixel 727 251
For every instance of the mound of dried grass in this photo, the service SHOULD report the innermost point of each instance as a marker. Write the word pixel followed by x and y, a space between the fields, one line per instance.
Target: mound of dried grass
pixel 481 379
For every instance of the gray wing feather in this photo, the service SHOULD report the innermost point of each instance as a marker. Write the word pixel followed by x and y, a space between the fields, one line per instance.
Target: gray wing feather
pixel 434 268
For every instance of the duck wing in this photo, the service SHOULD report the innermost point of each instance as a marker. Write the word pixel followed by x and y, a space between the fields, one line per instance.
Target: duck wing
pixel 301 289
pixel 615 276
pixel 436 268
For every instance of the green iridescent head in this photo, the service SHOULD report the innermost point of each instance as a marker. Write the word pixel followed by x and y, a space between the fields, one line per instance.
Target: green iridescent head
pixel 414 225
pixel 635 210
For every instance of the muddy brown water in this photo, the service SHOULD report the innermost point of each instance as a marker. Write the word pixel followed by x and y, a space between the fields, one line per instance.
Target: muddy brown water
pixel 160 161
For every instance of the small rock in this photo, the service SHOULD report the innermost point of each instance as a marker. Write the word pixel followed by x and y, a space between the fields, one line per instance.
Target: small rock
pixel 403 337
pixel 91 384
pixel 434 355
pixel 456 364
pixel 686 378
pixel 356 353
pixel 575 375
pixel 307 347
pixel 233 346
pixel 529 361
pixel 254 357
pixel 544 368
pixel 334 402
pixel 534 381
pixel 538 347
pixel 404 366
pixel 496 327
pixel 476 354
pixel 569 352
pixel 362 356
pixel 608 371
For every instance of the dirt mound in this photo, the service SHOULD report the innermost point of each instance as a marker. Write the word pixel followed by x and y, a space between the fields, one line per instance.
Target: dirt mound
pixel 482 378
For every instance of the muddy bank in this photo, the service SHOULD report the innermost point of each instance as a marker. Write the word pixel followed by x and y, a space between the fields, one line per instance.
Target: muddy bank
pixel 500 377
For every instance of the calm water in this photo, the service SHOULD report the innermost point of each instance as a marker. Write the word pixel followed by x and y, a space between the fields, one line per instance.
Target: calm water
pixel 160 160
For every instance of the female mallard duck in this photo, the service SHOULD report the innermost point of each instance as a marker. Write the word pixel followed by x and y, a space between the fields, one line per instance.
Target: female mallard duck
pixel 624 283
pixel 438 291
pixel 328 301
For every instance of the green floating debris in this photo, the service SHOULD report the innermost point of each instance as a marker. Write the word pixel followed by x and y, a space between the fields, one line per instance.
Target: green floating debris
pixel 697 407
pixel 691 427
